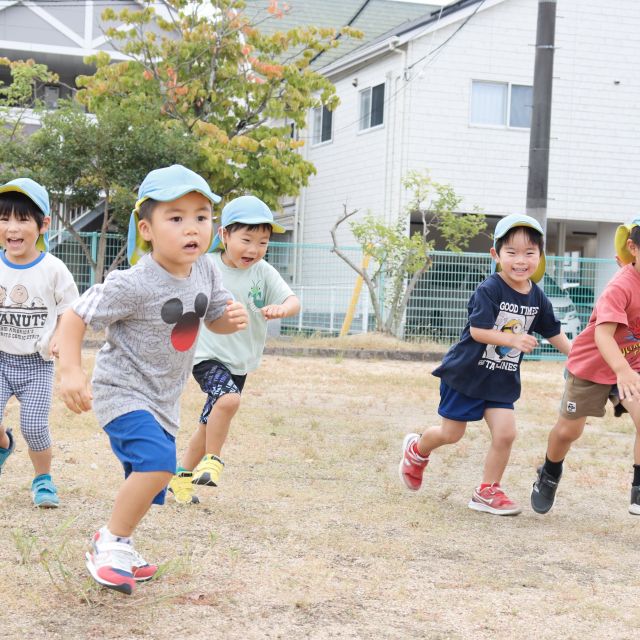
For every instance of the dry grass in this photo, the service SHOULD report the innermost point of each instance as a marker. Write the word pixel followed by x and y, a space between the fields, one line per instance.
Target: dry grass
pixel 312 536
pixel 362 341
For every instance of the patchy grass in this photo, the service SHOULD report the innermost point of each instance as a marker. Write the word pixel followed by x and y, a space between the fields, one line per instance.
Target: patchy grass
pixel 311 535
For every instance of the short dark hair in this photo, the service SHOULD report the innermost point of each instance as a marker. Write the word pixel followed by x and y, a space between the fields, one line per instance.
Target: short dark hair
pixel 237 226
pixel 533 236
pixel 21 206
pixel 146 209
pixel 634 235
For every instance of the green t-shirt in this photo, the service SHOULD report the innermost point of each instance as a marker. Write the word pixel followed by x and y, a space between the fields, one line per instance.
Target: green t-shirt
pixel 256 287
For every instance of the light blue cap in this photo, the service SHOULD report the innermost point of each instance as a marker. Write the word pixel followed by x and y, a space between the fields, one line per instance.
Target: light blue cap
pixel 38 195
pixel 520 220
pixel 163 185
pixel 246 210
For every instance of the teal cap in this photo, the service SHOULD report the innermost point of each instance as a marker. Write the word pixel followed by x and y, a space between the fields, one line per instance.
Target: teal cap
pixel 246 210
pixel 38 195
pixel 163 185
pixel 520 220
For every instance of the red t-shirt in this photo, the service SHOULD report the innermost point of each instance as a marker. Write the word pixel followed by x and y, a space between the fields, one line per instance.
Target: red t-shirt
pixel 619 303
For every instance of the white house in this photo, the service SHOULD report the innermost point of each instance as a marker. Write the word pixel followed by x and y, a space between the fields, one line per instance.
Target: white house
pixel 451 92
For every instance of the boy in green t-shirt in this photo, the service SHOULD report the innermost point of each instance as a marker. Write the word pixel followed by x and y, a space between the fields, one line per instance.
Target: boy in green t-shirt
pixel 223 362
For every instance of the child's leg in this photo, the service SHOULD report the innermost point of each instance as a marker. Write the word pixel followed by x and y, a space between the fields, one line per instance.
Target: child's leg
pixel 502 425
pixel 563 434
pixel 209 439
pixel 447 432
pixel 34 390
pixel 134 499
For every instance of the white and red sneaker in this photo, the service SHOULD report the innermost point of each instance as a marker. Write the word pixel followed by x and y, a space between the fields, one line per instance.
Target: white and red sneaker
pixel 110 564
pixel 412 464
pixel 492 499
pixel 141 569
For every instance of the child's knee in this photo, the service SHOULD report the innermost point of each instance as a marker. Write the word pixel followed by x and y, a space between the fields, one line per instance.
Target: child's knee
pixel 567 430
pixel 505 436
pixel 229 402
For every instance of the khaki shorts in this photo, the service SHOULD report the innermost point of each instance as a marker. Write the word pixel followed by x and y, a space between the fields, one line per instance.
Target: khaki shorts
pixel 582 398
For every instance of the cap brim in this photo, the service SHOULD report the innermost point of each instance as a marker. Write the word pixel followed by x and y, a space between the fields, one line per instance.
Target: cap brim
pixel 620 243
pixel 11 187
pixel 173 193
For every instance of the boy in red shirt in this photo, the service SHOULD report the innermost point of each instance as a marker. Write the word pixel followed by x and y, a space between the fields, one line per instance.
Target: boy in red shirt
pixel 604 363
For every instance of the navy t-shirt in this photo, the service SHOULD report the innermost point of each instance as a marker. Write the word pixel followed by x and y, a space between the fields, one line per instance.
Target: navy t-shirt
pixel 487 371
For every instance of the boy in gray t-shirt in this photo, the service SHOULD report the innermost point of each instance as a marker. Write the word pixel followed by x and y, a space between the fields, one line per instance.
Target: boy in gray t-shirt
pixel 152 315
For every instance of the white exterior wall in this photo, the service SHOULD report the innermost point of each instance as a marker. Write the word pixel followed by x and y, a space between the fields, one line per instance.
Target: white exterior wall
pixel 595 122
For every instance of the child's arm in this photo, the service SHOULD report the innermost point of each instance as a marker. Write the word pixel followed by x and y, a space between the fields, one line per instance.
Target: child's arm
pixel 521 341
pixel 74 385
pixel 627 379
pixel 233 319
pixel 289 307
pixel 561 343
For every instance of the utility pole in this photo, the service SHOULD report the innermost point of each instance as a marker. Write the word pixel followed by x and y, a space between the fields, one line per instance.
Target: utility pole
pixel 538 181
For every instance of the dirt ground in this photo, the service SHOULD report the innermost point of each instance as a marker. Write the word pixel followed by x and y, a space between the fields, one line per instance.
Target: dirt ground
pixel 311 534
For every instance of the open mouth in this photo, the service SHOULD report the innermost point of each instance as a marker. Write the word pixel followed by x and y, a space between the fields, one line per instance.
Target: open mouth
pixel 14 242
pixel 191 246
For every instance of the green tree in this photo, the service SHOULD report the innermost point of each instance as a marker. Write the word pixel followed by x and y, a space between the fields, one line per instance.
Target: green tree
pixel 99 161
pixel 17 99
pixel 221 81
pixel 397 258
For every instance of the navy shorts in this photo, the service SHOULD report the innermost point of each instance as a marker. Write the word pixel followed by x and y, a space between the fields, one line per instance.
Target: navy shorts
pixel 141 444
pixel 456 406
pixel 216 381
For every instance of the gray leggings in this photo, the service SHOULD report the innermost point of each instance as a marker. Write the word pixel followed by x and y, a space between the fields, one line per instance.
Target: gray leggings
pixel 30 379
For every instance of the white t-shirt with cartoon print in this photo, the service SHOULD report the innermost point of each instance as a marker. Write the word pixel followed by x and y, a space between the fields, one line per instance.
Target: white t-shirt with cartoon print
pixel 256 287
pixel 32 296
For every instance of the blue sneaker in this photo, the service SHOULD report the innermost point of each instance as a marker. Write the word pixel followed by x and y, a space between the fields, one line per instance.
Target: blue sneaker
pixel 5 453
pixel 44 492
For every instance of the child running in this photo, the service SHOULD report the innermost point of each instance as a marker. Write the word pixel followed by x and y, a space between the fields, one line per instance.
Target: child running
pixel 480 374
pixel 604 363
pixel 152 315
pixel 223 361
pixel 35 289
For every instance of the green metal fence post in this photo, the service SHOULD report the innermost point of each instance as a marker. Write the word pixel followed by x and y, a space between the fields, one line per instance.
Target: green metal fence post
pixel 94 255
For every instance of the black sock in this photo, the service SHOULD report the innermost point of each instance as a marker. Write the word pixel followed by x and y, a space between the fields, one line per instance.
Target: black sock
pixel 636 475
pixel 554 469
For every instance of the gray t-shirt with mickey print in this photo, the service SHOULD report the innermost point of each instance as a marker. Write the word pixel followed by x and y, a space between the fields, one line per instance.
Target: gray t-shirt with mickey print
pixel 152 320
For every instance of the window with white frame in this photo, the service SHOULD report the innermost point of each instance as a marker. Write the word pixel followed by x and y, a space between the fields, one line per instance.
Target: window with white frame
pixel 372 107
pixel 322 125
pixel 501 104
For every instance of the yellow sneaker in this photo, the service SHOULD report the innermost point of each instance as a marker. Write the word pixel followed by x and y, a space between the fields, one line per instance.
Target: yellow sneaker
pixel 208 471
pixel 182 488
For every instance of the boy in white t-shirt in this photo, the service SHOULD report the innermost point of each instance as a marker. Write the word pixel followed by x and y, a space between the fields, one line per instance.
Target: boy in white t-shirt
pixel 35 289
pixel 222 362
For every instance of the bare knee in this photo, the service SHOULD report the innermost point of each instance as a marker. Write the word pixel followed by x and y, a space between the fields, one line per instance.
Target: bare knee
pixel 567 430
pixel 504 437
pixel 452 431
pixel 228 403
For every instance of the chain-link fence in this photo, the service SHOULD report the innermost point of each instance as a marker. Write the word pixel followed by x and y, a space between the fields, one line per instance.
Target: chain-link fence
pixel 437 310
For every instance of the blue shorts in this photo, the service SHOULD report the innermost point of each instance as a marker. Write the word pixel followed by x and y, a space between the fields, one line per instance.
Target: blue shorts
pixel 141 444
pixel 456 406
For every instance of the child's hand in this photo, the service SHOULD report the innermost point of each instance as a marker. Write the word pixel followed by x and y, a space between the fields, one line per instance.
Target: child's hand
pixel 237 314
pixel 628 385
pixel 524 342
pixel 272 311
pixel 76 390
pixel 53 347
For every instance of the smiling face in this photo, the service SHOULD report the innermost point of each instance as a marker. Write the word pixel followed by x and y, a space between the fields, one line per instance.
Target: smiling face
pixel 518 257
pixel 18 236
pixel 244 246
pixel 179 232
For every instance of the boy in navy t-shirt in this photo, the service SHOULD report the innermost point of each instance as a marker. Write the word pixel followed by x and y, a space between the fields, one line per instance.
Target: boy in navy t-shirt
pixel 480 374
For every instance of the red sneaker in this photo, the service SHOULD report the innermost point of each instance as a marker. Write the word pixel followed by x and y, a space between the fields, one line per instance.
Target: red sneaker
pixel 411 465
pixel 492 499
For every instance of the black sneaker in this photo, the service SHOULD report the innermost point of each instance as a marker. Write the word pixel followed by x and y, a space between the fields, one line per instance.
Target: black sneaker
pixel 634 507
pixel 544 491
